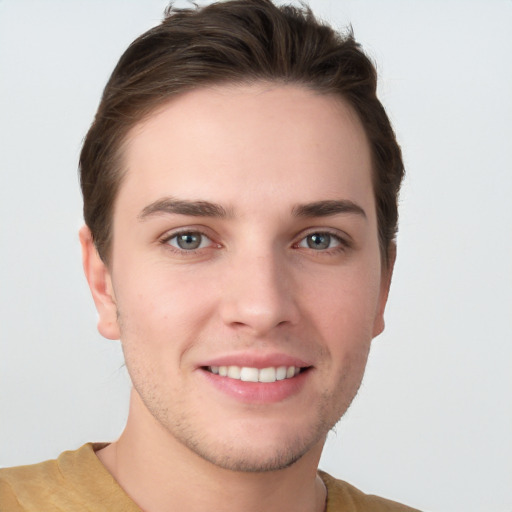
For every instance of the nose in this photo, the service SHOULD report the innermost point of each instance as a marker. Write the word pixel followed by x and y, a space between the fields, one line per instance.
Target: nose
pixel 258 294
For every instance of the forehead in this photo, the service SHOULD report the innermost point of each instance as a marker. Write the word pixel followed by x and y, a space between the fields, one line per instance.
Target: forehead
pixel 233 143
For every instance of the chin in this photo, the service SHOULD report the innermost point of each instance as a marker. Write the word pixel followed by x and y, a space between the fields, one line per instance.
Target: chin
pixel 253 445
pixel 251 457
pixel 249 440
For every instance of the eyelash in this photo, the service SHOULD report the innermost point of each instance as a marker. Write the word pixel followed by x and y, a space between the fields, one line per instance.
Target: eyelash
pixel 184 252
pixel 343 243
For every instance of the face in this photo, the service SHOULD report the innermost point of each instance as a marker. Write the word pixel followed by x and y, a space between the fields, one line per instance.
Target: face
pixel 245 280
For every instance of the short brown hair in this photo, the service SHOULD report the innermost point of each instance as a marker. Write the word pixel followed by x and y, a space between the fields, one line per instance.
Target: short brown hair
pixel 237 41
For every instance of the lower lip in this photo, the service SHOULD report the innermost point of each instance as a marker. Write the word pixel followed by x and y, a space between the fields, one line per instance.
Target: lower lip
pixel 258 392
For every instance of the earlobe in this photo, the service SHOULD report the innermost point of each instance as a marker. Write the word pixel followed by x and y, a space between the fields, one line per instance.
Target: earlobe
pixel 100 284
pixel 387 274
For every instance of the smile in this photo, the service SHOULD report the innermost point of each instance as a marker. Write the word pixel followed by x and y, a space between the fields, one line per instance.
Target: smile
pixel 248 374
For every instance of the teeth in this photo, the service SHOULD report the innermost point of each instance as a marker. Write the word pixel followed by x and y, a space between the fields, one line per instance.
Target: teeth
pixel 247 374
pixel 281 373
pixel 267 375
pixel 234 372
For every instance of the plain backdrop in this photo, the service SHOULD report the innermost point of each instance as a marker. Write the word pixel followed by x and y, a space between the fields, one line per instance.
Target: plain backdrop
pixel 432 424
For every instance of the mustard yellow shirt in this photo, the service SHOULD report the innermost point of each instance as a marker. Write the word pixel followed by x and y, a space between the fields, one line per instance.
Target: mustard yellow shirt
pixel 78 482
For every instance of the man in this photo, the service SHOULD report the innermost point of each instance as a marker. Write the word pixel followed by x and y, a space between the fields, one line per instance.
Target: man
pixel 240 186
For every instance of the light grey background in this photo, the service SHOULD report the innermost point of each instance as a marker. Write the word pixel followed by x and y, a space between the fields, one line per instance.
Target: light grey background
pixel 432 425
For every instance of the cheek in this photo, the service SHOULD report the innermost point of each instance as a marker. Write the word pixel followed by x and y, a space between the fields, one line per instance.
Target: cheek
pixel 161 313
pixel 346 301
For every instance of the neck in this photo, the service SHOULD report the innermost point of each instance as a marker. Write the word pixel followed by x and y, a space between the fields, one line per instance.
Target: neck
pixel 160 474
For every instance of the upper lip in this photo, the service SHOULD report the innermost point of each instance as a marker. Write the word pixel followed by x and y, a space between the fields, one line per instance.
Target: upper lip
pixel 255 360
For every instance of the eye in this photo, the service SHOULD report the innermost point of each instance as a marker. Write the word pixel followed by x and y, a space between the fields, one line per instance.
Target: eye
pixel 189 241
pixel 320 241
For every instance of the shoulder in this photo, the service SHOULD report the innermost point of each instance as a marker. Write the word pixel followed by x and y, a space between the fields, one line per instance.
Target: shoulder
pixel 8 500
pixel 27 487
pixel 75 482
pixel 343 496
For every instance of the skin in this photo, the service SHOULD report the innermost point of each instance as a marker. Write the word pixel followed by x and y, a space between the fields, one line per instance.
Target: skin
pixel 260 287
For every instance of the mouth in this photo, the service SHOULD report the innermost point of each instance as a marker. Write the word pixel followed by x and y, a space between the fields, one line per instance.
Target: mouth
pixel 249 374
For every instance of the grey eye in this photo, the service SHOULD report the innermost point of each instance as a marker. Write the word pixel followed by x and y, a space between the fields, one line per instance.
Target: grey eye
pixel 189 241
pixel 320 241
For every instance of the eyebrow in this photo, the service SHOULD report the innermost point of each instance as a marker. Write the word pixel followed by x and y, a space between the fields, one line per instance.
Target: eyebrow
pixel 327 208
pixel 169 205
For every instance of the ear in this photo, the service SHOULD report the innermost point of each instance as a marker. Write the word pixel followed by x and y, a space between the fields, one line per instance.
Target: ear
pixel 385 283
pixel 100 284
